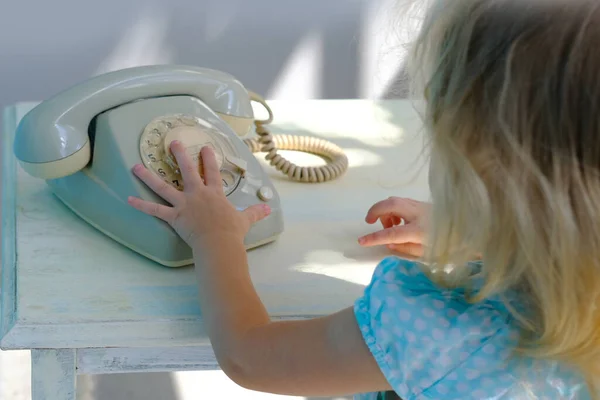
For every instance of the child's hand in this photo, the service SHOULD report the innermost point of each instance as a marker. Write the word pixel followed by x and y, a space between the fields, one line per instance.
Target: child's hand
pixel 315 357
pixel 201 214
pixel 407 238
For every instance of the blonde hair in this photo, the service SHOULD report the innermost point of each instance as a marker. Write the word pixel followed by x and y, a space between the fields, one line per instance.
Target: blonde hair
pixel 512 90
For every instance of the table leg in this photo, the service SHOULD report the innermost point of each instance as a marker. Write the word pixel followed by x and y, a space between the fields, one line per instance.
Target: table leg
pixel 53 374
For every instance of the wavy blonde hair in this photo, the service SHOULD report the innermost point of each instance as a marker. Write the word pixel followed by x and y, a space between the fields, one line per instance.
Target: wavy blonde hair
pixel 512 90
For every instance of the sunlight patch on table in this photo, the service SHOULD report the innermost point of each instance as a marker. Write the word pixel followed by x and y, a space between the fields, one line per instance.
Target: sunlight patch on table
pixel 336 265
pixel 371 126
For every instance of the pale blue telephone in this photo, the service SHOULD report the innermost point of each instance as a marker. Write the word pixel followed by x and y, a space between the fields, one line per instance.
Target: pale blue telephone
pixel 85 140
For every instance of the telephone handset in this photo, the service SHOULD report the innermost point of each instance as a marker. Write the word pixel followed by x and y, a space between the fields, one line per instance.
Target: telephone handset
pixel 85 140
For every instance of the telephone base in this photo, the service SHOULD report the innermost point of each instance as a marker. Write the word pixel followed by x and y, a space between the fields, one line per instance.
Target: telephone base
pixel 85 141
pixel 98 193
pixel 166 263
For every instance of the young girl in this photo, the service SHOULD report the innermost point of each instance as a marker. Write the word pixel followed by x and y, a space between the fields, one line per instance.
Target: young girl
pixel 512 90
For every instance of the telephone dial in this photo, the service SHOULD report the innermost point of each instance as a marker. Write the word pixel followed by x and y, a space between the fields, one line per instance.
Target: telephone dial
pixel 84 141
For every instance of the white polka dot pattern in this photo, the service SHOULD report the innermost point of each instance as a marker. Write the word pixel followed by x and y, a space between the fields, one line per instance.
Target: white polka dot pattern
pixel 430 343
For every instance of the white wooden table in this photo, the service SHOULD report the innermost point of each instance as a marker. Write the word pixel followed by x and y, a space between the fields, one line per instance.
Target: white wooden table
pixel 84 304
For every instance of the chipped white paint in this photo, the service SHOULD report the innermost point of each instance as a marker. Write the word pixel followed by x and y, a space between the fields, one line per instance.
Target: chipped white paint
pixel 102 361
pixel 67 286
pixel 53 374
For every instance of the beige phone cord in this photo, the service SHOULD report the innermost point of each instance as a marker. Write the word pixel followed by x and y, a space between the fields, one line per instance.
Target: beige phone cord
pixel 337 162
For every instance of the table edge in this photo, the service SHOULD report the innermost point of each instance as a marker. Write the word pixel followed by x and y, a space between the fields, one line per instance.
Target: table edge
pixel 9 256
pixel 123 334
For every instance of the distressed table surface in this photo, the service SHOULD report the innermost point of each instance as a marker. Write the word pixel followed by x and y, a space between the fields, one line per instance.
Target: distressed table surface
pixel 67 286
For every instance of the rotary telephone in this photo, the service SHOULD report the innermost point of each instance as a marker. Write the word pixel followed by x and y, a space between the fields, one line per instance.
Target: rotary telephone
pixel 84 141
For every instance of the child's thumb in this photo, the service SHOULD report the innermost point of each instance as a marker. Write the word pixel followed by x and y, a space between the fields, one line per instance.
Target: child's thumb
pixel 256 212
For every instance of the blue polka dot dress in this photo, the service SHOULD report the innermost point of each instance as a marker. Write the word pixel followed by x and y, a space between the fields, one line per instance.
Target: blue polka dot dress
pixel 430 343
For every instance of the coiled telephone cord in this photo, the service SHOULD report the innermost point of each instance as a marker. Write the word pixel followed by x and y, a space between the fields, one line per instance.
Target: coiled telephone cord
pixel 337 161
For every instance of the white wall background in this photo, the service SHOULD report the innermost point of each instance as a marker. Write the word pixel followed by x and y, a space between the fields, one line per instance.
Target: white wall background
pixel 279 48
pixel 300 49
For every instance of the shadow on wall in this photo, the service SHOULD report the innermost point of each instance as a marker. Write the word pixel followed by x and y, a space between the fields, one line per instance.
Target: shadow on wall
pixel 309 49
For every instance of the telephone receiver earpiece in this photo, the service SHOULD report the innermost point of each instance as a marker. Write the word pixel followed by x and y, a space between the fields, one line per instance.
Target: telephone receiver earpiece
pixel 52 139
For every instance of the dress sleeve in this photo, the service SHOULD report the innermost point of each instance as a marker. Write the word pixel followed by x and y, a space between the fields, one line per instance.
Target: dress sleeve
pixel 430 342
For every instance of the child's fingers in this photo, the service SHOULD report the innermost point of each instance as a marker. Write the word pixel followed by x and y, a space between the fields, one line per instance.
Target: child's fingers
pixel 378 210
pixel 401 208
pixel 256 213
pixel 190 170
pixel 386 222
pixel 212 175
pixel 394 235
pixel 390 220
pixel 410 249
pixel 156 210
pixel 159 186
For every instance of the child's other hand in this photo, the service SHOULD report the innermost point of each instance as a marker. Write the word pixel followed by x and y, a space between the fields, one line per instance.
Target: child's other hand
pixel 407 238
pixel 201 214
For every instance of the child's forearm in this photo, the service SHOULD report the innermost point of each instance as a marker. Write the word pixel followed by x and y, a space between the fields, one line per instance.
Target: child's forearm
pixel 324 356
pixel 229 303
